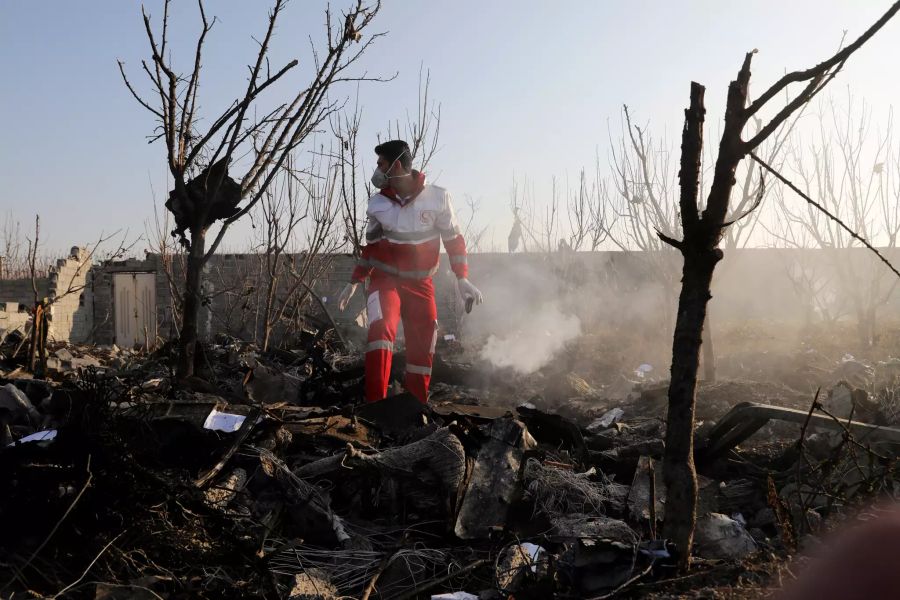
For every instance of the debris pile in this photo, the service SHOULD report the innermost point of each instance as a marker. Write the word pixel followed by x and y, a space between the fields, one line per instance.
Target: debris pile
pixel 267 478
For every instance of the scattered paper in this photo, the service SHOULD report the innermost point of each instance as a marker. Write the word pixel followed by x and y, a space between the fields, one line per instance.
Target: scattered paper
pixel 38 436
pixel 221 421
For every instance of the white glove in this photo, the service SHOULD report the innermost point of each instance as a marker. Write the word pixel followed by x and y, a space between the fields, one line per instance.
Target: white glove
pixel 346 294
pixel 467 290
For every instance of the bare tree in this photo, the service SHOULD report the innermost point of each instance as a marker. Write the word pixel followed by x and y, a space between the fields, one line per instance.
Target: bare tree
pixel 589 212
pixel 308 198
pixel 529 225
pixel 702 232
pixel 856 179
pixel 11 246
pixel 199 160
pixel 16 260
pixel 471 231
pixel 353 191
pixel 422 131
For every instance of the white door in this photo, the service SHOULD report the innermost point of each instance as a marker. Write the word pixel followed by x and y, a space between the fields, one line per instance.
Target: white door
pixel 135 309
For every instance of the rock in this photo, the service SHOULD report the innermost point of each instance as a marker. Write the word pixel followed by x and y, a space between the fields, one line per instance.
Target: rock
pixel 719 536
pixel 85 361
pixel 63 354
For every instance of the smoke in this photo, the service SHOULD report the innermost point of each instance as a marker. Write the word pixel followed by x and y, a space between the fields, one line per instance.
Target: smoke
pixel 532 346
pixel 528 315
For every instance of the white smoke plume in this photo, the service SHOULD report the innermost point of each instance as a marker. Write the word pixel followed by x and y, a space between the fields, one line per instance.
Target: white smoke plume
pixel 529 348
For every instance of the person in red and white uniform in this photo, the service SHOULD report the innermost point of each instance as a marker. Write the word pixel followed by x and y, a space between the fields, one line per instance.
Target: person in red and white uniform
pixel 407 221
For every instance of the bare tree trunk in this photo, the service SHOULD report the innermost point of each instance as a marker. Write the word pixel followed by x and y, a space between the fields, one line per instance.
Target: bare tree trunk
pixel 187 343
pixel 709 353
pixel 701 254
pixel 699 247
pixel 678 464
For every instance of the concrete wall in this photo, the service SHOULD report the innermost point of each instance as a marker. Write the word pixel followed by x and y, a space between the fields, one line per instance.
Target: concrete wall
pixel 602 287
pixel 20 290
pixel 67 288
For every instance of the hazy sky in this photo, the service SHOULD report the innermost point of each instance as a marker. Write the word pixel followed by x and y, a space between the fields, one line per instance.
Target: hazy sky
pixel 526 87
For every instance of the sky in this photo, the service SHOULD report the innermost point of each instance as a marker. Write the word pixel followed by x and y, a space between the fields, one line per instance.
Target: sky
pixel 527 88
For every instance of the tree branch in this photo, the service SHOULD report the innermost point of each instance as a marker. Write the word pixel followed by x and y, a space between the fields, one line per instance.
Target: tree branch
pixel 824 66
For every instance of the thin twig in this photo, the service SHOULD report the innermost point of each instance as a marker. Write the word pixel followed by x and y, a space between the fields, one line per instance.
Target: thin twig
pixel 626 584
pixel 385 563
pixel 89 567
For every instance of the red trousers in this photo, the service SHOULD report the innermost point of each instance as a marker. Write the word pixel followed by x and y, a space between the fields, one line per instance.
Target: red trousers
pixel 390 300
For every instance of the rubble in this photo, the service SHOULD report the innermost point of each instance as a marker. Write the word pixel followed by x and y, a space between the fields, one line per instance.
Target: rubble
pixel 267 477
pixel 494 483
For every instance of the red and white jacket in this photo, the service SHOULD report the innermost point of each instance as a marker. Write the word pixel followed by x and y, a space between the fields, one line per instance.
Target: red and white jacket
pixel 403 235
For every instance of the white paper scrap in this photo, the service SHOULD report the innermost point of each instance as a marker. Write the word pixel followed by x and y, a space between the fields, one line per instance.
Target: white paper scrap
pixel 221 421
pixel 38 436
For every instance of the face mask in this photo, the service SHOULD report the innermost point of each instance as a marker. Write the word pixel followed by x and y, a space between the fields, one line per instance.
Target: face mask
pixel 381 179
